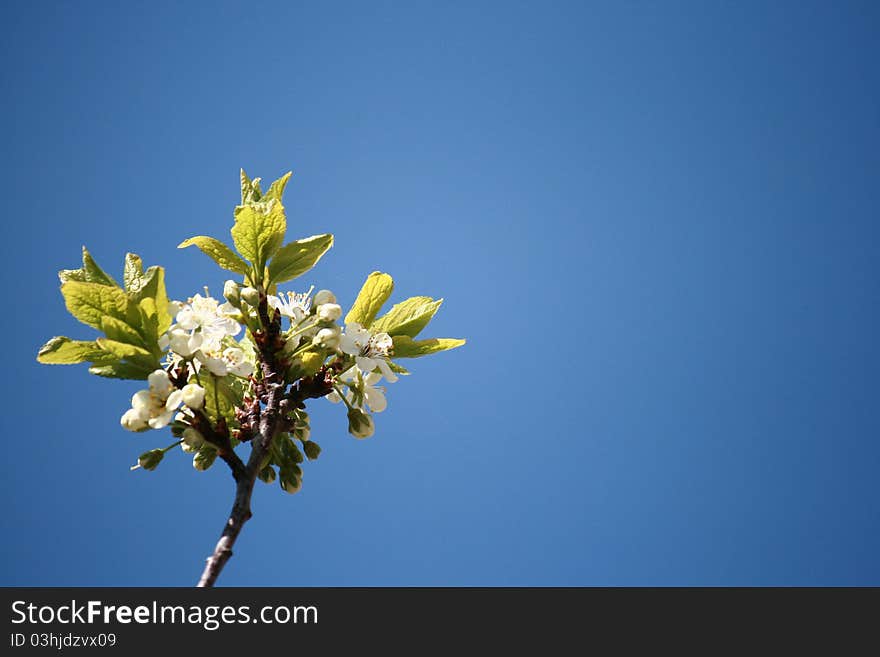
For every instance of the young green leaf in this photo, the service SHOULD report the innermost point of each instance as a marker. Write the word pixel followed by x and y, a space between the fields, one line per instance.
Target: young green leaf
pixel 276 189
pixel 218 252
pixel 375 292
pixel 64 351
pixel 90 272
pixel 132 272
pixel 153 287
pixel 91 302
pixel 122 370
pixel 259 231
pixel 296 258
pixel 120 331
pixel 406 347
pixel 407 317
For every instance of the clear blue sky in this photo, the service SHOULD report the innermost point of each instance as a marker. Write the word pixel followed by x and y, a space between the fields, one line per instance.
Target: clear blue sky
pixel 656 223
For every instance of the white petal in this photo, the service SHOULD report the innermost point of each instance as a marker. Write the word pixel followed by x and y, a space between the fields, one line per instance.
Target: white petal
pixel 174 400
pixel 365 363
pixel 386 370
pixel 161 420
pixel 141 401
pixel 217 366
pixel 376 400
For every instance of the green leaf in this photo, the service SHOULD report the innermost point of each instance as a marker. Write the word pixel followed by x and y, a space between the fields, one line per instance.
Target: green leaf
pixel 276 189
pixel 123 350
pixel 259 231
pixel 122 370
pixel 246 188
pixel 132 272
pixel 149 321
pixel 406 347
pixel 220 396
pixel 64 351
pixel 153 287
pixel 91 302
pixel 375 292
pixel 296 258
pixel 90 272
pixel 218 252
pixel 397 369
pixel 407 317
pixel 121 332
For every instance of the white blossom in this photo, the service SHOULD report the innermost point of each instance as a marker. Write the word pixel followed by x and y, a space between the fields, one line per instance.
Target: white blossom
pixel 153 407
pixel 329 312
pixel 294 306
pixel 361 390
pixel 370 351
pixel 231 360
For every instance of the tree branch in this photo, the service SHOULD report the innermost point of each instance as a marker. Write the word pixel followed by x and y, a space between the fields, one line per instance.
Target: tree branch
pixel 271 391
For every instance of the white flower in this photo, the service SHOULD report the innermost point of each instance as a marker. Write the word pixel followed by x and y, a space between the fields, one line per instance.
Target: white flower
pixel 153 407
pixel 324 296
pixel 294 306
pixel 361 390
pixel 206 315
pixel 193 395
pixel 370 351
pixel 231 360
pixel 329 312
pixel 201 324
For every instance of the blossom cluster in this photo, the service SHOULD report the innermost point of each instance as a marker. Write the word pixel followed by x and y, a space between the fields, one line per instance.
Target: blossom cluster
pixel 202 342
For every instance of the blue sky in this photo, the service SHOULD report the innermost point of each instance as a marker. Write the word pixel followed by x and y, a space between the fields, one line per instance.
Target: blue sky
pixel 655 223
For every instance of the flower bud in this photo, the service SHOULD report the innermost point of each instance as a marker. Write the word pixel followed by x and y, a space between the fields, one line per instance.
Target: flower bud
pixel 267 474
pixel 193 396
pixel 327 338
pixel 192 440
pixel 133 420
pixel 301 432
pixel 324 296
pixel 329 312
pixel 360 424
pixel 290 480
pixel 250 296
pixel 149 460
pixel 311 449
pixel 204 458
pixel 232 292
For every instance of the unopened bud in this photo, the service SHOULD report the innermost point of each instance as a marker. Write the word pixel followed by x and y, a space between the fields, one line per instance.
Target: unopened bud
pixel 193 396
pixel 192 440
pixel 250 296
pixel 329 312
pixel 327 338
pixel 311 449
pixel 204 458
pixel 360 424
pixel 149 460
pixel 232 292
pixel 324 296
pixel 133 420
pixel 267 474
pixel 291 479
